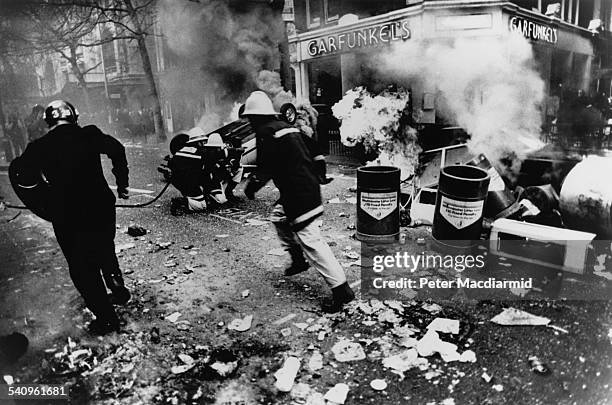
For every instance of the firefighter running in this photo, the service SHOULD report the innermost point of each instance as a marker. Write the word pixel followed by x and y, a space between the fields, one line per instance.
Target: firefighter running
pixel 289 158
pixel 82 206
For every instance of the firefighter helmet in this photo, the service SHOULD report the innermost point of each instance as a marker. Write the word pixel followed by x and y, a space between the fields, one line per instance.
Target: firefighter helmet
pixel 215 140
pixel 60 110
pixel 258 103
pixel 196 134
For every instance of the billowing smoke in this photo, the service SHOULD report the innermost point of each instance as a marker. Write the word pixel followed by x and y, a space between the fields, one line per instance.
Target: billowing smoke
pixel 488 86
pixel 270 82
pixel 219 48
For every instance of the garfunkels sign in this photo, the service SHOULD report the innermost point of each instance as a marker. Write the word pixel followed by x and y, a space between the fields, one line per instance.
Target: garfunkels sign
pixel 366 37
pixel 533 30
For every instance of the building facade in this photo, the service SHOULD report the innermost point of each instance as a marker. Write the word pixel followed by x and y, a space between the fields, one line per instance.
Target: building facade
pixel 333 38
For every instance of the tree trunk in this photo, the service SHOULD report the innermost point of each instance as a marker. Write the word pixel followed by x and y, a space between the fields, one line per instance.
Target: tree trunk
pixel 148 71
pixel 157 111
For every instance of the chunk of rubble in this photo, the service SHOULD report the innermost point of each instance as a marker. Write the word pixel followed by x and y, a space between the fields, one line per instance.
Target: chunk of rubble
pixel 285 376
pixel 431 343
pixel 241 325
pixel 245 293
pixel 136 231
pixel 444 325
pixel 277 252
pixel 173 317
pixel 389 315
pixel 316 361
pixel 345 350
pixel 516 317
pixel 404 361
pixel 123 247
pixel 468 356
pixel 432 308
pixel 337 394
pixel 185 358
pixel 378 385
pixel 182 368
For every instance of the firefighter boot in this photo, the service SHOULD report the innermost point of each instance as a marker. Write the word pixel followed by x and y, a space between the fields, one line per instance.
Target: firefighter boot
pixel 298 262
pixel 343 294
pixel 229 192
pixel 120 295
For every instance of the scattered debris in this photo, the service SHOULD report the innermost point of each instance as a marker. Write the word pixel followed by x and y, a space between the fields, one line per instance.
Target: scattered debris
pixel 404 361
pixel 444 325
pixel 516 317
pixel 256 222
pixel 162 245
pixel 124 247
pixel 154 335
pixel 468 356
pixel 345 350
pixel 185 358
pixel 337 394
pixel 221 236
pixel 498 387
pixel 316 361
pixel 173 317
pixel 182 368
pixel 557 328
pixel 241 325
pixel 277 252
pixel 245 293
pixel 285 332
pixel 432 308
pixel 351 200
pixel 334 201
pixel 8 379
pixel 486 377
pixel 223 363
pixel 136 231
pixel 537 366
pixel 284 319
pixel 285 376
pixel 378 385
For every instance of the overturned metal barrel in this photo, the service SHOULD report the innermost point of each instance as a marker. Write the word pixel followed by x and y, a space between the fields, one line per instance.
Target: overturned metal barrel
pixel 586 197
pixel 378 218
pixel 462 192
pixel 500 199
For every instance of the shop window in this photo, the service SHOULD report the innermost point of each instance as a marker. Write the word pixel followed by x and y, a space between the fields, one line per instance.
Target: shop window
pixel 314 13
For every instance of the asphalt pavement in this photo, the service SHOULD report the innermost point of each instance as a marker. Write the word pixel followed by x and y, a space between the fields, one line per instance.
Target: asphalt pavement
pixel 195 276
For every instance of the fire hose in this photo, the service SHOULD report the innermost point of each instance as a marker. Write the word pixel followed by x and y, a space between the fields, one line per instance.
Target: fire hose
pixel 141 205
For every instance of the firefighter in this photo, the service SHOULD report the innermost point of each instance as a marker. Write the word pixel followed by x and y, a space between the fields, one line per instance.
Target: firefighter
pixel 284 156
pixel 187 174
pixel 82 206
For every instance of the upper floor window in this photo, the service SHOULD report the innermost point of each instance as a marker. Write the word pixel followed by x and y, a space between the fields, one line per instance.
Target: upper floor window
pixel 314 13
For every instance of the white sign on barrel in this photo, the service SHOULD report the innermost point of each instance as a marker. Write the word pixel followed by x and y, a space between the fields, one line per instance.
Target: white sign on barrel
pixel 378 205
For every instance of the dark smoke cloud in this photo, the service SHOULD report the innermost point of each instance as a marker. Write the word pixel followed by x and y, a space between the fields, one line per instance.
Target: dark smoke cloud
pixel 225 45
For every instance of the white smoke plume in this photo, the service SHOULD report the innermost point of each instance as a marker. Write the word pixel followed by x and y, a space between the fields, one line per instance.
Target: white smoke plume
pixel 270 82
pixel 488 86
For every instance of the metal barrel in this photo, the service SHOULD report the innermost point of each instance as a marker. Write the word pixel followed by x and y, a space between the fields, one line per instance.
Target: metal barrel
pixel 378 218
pixel 462 192
pixel 499 197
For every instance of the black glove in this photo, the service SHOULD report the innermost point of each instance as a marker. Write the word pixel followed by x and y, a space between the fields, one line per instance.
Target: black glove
pixel 122 192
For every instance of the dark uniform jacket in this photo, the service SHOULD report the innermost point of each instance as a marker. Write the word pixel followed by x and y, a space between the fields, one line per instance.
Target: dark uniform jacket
pixel 69 158
pixel 287 157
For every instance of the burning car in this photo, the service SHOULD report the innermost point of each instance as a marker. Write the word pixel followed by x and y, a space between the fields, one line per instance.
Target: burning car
pixel 205 167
